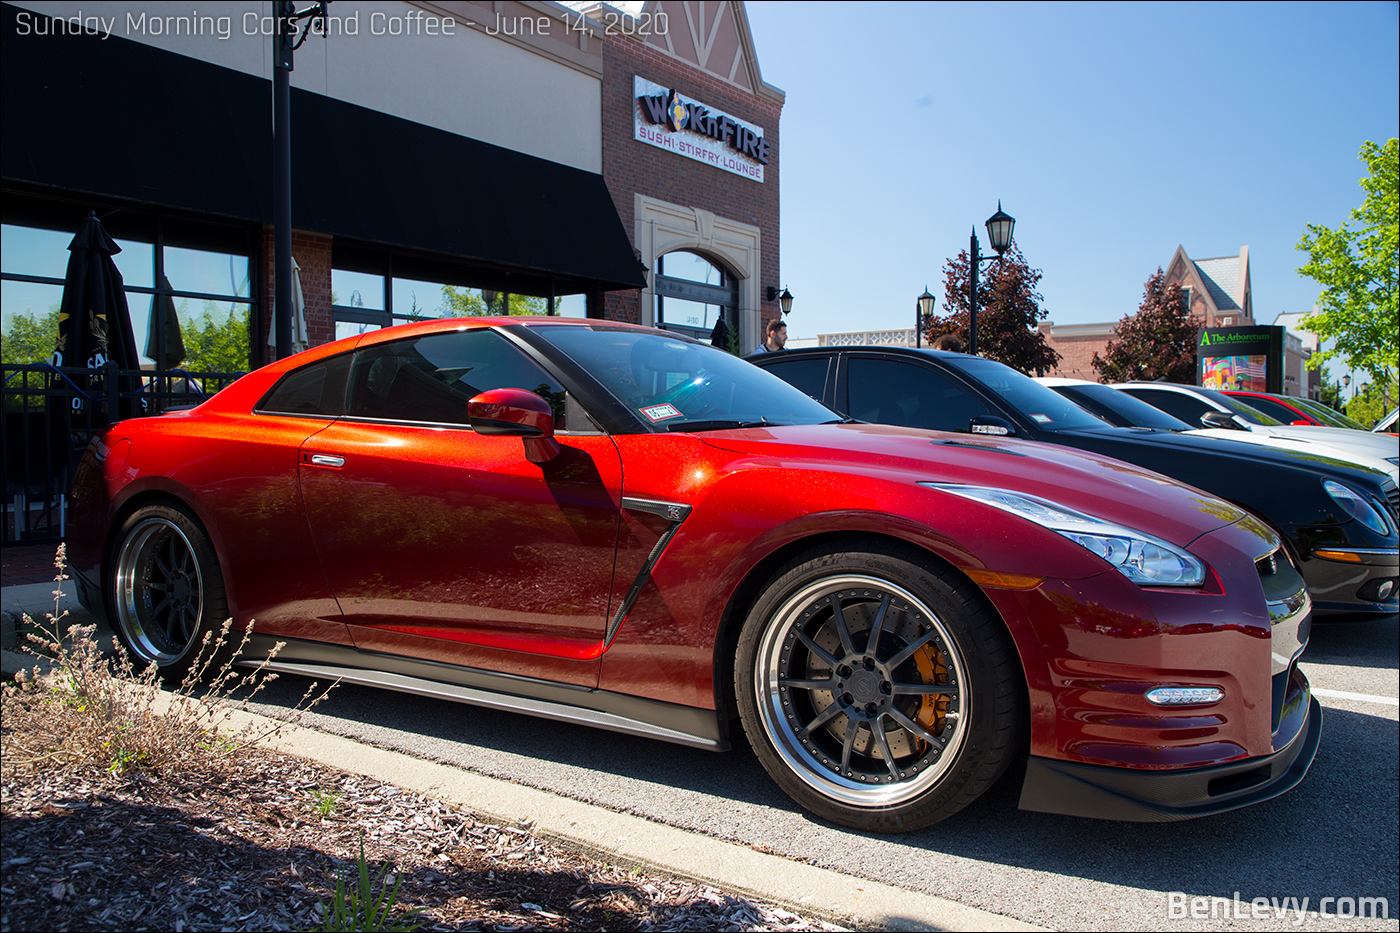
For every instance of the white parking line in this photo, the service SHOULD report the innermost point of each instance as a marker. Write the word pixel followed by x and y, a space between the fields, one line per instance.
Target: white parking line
pixel 1363 697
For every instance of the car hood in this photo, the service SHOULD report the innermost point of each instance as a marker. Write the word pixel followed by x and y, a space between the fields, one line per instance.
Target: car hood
pixel 1359 441
pixel 1095 485
pixel 1226 452
pixel 1318 448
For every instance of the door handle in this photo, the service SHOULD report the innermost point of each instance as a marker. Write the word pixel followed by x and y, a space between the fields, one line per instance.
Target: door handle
pixel 325 460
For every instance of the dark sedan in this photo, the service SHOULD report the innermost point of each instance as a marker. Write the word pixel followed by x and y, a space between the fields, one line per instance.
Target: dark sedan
pixel 1340 519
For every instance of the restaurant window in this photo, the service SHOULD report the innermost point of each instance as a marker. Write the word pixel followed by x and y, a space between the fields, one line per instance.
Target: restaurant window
pixel 364 301
pixel 693 295
pixel 190 308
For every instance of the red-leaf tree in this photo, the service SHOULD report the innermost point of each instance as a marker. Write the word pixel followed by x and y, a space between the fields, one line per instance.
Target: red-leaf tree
pixel 1159 342
pixel 1008 310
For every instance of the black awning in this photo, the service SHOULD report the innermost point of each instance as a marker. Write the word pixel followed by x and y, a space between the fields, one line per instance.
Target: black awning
pixel 119 119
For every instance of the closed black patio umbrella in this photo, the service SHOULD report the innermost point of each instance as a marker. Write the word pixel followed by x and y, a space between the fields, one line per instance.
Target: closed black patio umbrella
pixel 94 326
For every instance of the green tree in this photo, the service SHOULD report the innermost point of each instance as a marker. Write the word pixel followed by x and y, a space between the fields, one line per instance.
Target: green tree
pixel 1356 265
pixel 31 339
pixel 1159 342
pixel 1332 396
pixel 1008 312
pixel 462 302
pixel 1371 403
pixel 218 342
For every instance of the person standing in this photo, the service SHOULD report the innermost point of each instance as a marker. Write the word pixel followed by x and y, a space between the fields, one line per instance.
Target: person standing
pixel 775 339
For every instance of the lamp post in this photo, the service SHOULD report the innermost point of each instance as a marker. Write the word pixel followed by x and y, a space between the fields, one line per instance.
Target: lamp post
pixel 999 228
pixel 923 310
pixel 287 38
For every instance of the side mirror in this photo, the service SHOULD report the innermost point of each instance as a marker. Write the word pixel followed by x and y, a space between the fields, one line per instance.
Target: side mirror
pixel 991 424
pixel 519 413
pixel 1221 419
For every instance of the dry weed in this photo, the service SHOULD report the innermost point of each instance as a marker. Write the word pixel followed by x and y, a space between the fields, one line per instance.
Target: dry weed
pixel 91 710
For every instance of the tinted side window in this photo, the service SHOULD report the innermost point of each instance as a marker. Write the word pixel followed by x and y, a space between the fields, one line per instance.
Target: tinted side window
pixel 807 375
pixel 895 392
pixel 317 389
pixel 432 378
pixel 1186 407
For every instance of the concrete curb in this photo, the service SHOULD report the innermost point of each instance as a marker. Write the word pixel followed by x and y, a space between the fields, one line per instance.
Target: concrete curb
pixel 630 840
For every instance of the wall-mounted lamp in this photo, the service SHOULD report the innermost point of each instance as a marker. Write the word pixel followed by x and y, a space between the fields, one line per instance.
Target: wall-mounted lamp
pixel 784 299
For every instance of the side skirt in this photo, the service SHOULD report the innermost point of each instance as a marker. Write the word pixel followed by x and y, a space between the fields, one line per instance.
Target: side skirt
pixel 603 709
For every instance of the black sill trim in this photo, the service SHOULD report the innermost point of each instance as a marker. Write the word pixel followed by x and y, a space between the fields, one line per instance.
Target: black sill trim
pixel 603 709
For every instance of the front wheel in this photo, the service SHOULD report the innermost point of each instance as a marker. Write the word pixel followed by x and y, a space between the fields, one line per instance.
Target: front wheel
pixel 877 688
pixel 167 592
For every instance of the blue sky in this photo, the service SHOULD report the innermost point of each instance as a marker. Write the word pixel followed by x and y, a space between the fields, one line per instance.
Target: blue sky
pixel 1112 132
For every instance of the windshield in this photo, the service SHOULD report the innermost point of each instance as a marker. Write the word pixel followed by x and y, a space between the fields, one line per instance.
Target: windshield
pixel 1122 408
pixel 1044 406
pixel 676 384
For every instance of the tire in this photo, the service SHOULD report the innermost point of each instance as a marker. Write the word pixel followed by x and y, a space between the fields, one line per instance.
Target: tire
pixel 166 589
pixel 822 704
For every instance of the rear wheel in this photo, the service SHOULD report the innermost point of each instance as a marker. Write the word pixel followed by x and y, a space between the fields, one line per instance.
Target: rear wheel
pixel 878 689
pixel 167 590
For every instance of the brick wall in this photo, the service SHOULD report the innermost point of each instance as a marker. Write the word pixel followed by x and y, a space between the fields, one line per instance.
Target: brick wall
pixel 312 251
pixel 1076 355
pixel 631 167
pixel 1077 345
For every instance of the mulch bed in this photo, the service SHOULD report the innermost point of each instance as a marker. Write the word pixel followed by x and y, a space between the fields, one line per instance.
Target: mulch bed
pixel 257 844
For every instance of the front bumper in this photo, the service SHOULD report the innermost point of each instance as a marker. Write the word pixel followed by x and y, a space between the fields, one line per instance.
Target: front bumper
pixel 1350 583
pixel 1141 796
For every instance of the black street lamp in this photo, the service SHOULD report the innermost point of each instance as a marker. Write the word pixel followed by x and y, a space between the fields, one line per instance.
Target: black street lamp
pixel 999 228
pixel 288 36
pixel 923 310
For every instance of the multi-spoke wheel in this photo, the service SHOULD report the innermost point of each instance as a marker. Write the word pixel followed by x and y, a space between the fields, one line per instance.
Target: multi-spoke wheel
pixel 166 588
pixel 877 689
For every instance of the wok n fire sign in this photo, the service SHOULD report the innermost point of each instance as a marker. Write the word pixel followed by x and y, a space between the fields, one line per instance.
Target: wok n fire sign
pixel 669 120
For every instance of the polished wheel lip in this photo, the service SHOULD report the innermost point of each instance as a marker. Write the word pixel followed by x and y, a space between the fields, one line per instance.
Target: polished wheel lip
pixel 137 562
pixel 780 727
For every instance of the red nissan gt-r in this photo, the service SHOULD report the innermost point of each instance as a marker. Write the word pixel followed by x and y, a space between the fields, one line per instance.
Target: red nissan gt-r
pixel 617 527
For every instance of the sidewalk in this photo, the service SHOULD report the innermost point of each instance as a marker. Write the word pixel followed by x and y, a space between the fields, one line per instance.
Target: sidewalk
pixel 595 830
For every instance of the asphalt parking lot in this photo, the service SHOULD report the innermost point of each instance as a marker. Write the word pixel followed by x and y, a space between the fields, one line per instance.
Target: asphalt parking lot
pixel 1334 836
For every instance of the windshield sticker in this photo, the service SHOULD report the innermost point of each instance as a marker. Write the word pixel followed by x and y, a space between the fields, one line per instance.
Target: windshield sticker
pixel 1042 419
pixel 660 412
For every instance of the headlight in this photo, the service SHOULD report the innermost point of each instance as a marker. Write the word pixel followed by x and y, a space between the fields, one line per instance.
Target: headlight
pixel 1355 506
pixel 1140 557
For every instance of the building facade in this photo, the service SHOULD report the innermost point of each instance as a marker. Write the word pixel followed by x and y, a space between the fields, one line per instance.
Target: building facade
pixel 701 208
pixel 447 158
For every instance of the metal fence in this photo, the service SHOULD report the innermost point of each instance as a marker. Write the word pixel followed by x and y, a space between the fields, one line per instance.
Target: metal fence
pixel 50 414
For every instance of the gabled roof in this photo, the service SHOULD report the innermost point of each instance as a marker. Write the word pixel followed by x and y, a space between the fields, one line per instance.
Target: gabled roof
pixel 1223 281
pixel 1221 277
pixel 714 37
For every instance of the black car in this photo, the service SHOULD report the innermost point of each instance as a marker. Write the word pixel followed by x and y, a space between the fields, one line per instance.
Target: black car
pixel 1339 519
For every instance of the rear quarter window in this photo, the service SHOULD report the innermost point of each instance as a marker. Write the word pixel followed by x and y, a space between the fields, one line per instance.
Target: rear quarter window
pixel 316 390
